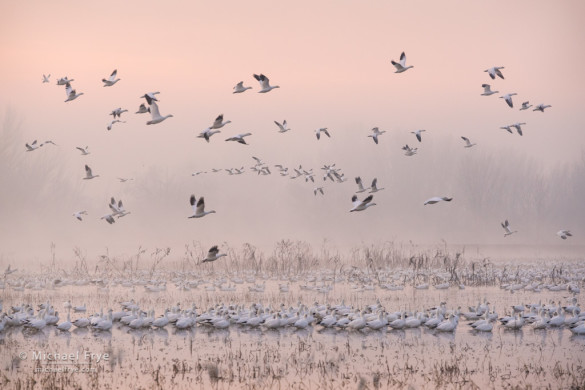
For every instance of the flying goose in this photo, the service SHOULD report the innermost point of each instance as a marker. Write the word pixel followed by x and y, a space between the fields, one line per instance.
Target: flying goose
pixel 78 214
pixel 401 67
pixel 508 129
pixel 408 151
pixel 518 127
pixel 418 134
pixel 156 117
pixel 111 80
pixel 541 107
pixel 239 88
pixel 324 130
pixel 207 133
pixel 109 127
pixel 318 189
pixel 564 234
pixel 118 112
pixel 64 81
pixel 468 143
pixel 506 226
pixel 361 205
pixel 109 218
pixel 46 78
pixel 71 94
pixel 525 106
pixel 32 146
pixel 358 181
pixel 219 123
pixel 495 71
pixel 264 83
pixel 84 151
pixel 437 199
pixel 142 109
pixel 88 174
pixel 374 187
pixel 213 255
pixel 282 127
pixel 508 98
pixel 239 138
pixel 487 90
pixel 150 96
pixel 375 134
pixel 199 208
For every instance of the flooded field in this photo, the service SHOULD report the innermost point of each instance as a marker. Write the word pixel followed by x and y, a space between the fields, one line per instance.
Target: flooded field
pixel 257 328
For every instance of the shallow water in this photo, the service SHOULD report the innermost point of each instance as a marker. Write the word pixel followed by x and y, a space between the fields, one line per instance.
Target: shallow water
pixel 239 357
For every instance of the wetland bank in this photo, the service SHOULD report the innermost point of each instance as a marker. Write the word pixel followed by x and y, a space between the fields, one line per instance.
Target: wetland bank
pixel 292 280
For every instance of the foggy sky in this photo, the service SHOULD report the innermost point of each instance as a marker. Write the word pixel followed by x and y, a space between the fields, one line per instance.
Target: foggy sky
pixel 331 60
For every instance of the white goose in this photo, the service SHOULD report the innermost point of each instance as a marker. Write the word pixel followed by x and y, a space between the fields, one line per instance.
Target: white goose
pixel 408 151
pixel 468 143
pixel 506 226
pixel 88 173
pixel 487 90
pixel 156 116
pixel 508 98
pixel 118 112
pixel 361 205
pixel 358 181
pixel 46 78
pixel 282 127
pixel 219 123
pixel 518 127
pixel 78 214
pixel 64 81
pixel 71 93
pixel 318 189
pixel 495 71
pixel 111 124
pixel 33 146
pixel 199 208
pixel 264 83
pixel 207 133
pixel 322 130
pixel 213 255
pixel 401 66
pixel 142 109
pixel 418 135
pixel 111 80
pixel 239 88
pixel 375 134
pixel 84 151
pixel 437 199
pixel 525 106
pixel 564 234
pixel 374 187
pixel 109 218
pixel 239 138
pixel 541 107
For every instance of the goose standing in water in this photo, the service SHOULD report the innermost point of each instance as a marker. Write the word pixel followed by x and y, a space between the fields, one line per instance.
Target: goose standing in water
pixel 437 199
pixel 264 83
pixel 495 71
pixel 111 80
pixel 468 143
pixel 156 116
pixel 401 66
pixel 71 93
pixel 239 88
pixel 487 90
pixel 213 255
pixel 88 173
pixel 375 134
pixel 198 208
pixel 361 205
pixel 506 226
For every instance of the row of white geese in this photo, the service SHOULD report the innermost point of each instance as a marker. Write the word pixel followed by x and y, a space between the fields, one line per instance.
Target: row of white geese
pixel 371 317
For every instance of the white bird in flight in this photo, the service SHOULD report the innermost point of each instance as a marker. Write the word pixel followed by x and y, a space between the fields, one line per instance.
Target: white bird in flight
pixel 239 138
pixel 408 151
pixel 78 214
pixel 111 124
pixel 239 88
pixel 156 116
pixel 88 174
pixel 111 80
pixel 318 189
pixel 84 151
pixel 495 71
pixel 375 134
pixel 525 106
pixel 468 143
pixel 118 112
pixel 358 181
pixel 109 218
pixel 506 226
pixel 518 127
pixel 219 123
pixel 363 204
pixel 508 98
pixel 418 134
pixel 198 207
pixel 322 130
pixel 207 133
pixel 401 66
pixel 264 83
pixel 564 234
pixel 46 78
pixel 541 107
pixel 32 146
pixel 64 81
pixel 71 93
pixel 374 187
pixel 213 255
pixel 142 109
pixel 282 127
pixel 487 90
pixel 437 199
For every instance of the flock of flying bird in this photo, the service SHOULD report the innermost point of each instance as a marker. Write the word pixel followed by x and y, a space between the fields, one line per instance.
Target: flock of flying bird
pixel 151 107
